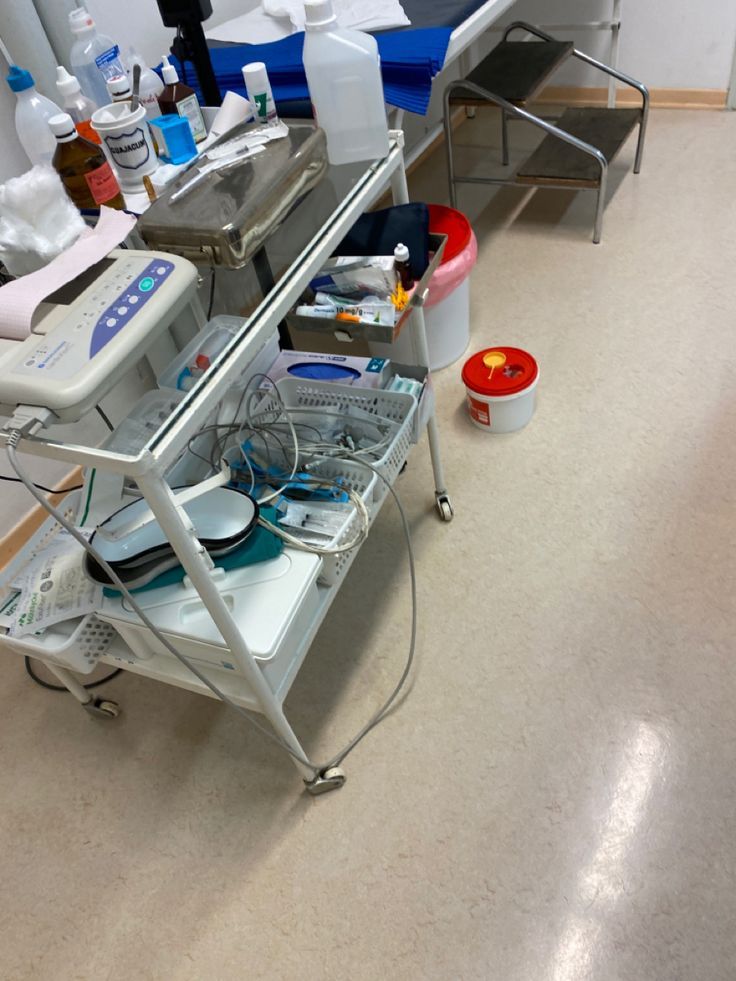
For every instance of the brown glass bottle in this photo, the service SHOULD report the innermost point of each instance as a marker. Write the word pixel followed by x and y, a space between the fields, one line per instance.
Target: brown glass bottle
pixel 179 98
pixel 83 168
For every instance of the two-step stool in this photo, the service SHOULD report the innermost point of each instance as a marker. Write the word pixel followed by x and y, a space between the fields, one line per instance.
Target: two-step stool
pixel 578 147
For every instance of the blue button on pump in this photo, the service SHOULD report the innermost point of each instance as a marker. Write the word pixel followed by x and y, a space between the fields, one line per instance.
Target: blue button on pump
pixel 146 284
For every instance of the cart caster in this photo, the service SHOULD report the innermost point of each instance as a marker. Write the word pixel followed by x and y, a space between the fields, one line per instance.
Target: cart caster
pixel 102 708
pixel 444 506
pixel 330 779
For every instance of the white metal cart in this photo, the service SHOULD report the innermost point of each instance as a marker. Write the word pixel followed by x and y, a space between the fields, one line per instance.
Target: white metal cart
pixel 252 685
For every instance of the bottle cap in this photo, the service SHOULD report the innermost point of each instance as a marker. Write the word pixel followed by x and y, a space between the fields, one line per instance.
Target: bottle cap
pixel 80 21
pixel 62 126
pixel 66 84
pixel 169 72
pixel 401 253
pixel 118 87
pixel 319 14
pixel 256 80
pixel 19 79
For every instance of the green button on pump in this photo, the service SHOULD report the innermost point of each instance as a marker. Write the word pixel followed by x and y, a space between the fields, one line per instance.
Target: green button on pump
pixel 146 284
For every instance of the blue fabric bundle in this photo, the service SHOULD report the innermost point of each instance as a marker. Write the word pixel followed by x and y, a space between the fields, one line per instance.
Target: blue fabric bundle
pixel 409 62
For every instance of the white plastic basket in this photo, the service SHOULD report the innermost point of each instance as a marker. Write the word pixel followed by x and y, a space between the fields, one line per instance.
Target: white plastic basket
pixel 74 644
pixel 399 407
pixel 363 481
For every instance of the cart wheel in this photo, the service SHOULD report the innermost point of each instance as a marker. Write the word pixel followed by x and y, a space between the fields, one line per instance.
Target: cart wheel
pixel 101 708
pixel 444 506
pixel 330 779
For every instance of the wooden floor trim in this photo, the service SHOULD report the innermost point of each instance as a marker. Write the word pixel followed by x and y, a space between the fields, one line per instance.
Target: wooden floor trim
pixel 571 95
pixel 15 539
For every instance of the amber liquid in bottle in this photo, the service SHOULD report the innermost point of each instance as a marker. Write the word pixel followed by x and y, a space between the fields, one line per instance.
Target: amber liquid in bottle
pixel 86 174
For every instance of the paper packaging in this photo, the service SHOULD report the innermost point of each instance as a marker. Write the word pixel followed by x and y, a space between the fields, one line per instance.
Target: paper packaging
pixel 373 372
pixel 350 276
pixel 234 109
pixel 53 588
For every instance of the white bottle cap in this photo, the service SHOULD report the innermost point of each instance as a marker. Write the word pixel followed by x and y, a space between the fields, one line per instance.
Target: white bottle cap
pixel 257 85
pixel 401 253
pixel 80 21
pixel 255 77
pixel 319 14
pixel 169 72
pixel 119 88
pixel 62 126
pixel 66 84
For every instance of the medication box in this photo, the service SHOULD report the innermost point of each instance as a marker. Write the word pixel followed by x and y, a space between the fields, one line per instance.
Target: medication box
pixel 340 368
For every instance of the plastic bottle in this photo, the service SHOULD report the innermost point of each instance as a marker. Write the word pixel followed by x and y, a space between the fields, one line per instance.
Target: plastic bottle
pixel 94 57
pixel 343 70
pixel 179 98
pixel 258 90
pixel 150 87
pixel 32 114
pixel 118 89
pixel 82 167
pixel 79 107
pixel 403 266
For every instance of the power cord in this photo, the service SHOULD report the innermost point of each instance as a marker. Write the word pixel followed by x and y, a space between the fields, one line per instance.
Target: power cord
pixel 317 769
pixel 47 490
pixel 104 418
pixel 211 303
pixel 50 687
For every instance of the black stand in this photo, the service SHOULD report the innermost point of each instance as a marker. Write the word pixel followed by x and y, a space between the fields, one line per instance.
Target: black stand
pixel 187 16
pixel 198 53
pixel 264 275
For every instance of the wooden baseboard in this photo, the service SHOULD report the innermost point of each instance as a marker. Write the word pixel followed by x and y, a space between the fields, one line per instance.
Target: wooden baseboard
pixel 571 95
pixel 15 539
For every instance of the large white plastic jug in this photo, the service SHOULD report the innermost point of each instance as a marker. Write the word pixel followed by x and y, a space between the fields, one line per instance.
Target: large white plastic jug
pixel 343 70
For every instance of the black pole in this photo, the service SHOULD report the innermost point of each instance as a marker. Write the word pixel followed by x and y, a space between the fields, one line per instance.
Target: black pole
pixel 187 16
pixel 193 34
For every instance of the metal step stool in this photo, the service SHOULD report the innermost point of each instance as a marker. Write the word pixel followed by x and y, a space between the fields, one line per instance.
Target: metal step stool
pixel 578 147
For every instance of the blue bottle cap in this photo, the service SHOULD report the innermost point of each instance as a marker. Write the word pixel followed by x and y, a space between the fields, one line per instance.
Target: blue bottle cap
pixel 19 79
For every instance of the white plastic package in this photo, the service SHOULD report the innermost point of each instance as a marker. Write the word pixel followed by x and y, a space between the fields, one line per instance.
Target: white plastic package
pixel 37 220
pixel 53 588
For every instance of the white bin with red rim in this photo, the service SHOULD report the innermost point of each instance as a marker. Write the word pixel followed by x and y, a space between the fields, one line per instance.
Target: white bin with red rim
pixel 501 385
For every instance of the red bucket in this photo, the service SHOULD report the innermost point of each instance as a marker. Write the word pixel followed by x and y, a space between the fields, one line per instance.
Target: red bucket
pixel 454 224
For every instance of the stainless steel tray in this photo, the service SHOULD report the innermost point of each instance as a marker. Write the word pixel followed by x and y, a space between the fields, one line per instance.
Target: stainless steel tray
pixel 376 332
pixel 225 220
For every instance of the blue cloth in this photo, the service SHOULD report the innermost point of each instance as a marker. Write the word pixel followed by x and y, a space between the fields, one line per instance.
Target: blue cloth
pixel 409 62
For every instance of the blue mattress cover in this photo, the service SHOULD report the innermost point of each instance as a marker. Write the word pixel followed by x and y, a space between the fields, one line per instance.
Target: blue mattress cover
pixel 407 66
pixel 410 58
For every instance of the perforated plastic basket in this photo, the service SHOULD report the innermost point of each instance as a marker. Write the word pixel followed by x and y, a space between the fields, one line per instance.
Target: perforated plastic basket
pixel 363 481
pixel 399 407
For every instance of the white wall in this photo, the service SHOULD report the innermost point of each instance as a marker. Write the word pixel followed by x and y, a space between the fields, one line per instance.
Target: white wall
pixel 682 44
pixel 666 43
